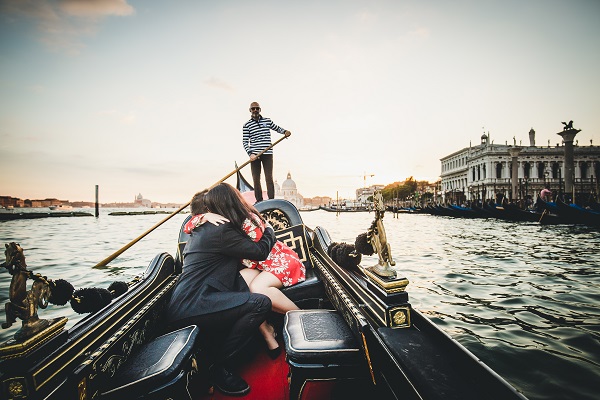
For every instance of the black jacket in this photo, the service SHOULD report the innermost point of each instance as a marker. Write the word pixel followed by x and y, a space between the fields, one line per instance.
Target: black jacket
pixel 211 281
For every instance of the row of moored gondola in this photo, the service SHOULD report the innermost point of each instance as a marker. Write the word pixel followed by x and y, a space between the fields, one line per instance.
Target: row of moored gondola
pixel 544 212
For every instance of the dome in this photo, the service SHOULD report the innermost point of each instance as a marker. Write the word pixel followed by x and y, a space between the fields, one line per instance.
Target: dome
pixel 484 136
pixel 288 184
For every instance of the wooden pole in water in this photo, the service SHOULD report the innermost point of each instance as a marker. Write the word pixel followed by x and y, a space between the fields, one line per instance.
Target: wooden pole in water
pixel 97 205
pixel 117 253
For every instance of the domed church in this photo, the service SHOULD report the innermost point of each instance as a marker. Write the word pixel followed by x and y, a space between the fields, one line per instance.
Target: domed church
pixel 289 192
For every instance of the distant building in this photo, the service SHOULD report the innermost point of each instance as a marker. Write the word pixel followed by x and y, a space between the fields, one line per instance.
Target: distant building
pixel 483 172
pixel 317 201
pixel 140 201
pixel 289 192
pixel 363 194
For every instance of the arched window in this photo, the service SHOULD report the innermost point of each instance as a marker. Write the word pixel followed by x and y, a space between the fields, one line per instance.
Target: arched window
pixel 541 170
pixel 583 167
pixel 555 170
pixel 499 170
pixel 526 169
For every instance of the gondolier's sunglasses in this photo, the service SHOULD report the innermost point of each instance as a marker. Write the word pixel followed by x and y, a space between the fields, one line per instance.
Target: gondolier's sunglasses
pixel 254 108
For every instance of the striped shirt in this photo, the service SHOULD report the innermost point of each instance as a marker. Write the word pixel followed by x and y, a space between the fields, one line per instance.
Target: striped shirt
pixel 256 135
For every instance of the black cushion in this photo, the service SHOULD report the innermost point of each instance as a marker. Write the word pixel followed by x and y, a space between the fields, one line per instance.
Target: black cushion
pixel 319 337
pixel 155 364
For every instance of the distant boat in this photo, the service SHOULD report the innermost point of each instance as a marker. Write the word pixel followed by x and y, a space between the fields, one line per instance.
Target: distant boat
pixel 52 207
pixel 309 208
pixel 334 208
pixel 64 207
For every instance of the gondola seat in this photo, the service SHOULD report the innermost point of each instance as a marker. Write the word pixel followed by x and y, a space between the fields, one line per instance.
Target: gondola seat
pixel 160 368
pixel 310 293
pixel 319 345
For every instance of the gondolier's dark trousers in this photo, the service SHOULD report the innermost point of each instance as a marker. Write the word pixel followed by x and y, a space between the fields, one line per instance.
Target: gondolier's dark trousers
pixel 267 165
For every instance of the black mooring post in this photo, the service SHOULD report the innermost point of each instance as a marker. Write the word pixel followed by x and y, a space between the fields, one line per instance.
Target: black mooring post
pixel 97 205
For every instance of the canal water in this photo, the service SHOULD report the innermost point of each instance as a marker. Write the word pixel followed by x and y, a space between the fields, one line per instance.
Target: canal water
pixel 522 297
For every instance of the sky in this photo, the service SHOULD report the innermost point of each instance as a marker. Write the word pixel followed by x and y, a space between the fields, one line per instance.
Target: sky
pixel 150 96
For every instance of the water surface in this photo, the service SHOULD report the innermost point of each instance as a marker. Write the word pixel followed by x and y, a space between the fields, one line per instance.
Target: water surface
pixel 522 297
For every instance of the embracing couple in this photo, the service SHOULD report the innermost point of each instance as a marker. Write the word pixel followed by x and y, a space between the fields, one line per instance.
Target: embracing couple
pixel 233 271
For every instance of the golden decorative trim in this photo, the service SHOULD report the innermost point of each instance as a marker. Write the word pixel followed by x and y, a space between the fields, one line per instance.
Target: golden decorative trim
pixel 16 387
pixel 93 331
pixel 366 298
pixel 82 389
pixel 390 286
pixel 368 356
pixel 298 243
pixel 399 317
pixel 13 349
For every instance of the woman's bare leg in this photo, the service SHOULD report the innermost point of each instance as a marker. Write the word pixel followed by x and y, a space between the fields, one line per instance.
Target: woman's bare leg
pixel 249 275
pixel 268 284
pixel 266 330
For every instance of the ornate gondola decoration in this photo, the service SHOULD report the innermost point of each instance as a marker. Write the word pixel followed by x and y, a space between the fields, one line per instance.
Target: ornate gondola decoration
pixel 345 255
pixel 377 238
pixel 23 304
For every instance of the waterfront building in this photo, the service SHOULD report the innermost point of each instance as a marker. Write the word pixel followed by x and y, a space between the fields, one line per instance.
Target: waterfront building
pixel 364 195
pixel 140 201
pixel 484 172
pixel 288 191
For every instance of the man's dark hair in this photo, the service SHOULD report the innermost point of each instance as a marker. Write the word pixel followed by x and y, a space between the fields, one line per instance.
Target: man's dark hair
pixel 197 204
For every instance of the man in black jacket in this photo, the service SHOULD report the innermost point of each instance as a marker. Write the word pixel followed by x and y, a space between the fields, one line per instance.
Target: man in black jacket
pixel 212 294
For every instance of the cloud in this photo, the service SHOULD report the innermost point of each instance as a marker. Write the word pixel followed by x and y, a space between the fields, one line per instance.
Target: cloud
pixel 63 23
pixel 219 84
pixel 96 8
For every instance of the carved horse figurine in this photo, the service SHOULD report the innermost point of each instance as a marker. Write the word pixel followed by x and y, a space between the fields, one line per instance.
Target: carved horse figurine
pixel 378 240
pixel 23 304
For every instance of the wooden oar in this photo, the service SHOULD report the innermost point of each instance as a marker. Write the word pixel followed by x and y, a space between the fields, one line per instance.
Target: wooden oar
pixel 543 213
pixel 117 253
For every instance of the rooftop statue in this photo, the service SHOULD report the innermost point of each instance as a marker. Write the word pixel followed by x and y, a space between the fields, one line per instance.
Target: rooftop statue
pixel 568 125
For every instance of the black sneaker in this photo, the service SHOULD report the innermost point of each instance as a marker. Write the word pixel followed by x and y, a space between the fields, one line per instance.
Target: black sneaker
pixel 227 382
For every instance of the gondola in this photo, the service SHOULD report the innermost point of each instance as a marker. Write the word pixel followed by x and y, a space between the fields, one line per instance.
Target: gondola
pixel 344 209
pixel 355 335
pixel 558 212
pixel 577 214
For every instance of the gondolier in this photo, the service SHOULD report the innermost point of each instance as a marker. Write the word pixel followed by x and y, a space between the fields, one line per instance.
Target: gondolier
pixel 256 136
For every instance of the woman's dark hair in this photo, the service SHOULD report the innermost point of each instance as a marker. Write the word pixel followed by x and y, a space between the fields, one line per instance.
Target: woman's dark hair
pixel 227 201
pixel 197 204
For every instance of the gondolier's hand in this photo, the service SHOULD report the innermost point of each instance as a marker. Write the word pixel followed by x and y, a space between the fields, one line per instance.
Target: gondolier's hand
pixel 252 157
pixel 287 133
